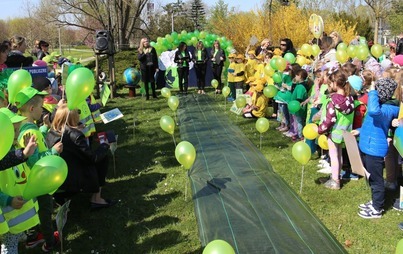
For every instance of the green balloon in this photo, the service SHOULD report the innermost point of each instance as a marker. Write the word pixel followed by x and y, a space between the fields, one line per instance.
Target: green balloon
pixel 240 102
pixel 202 35
pixel 262 125
pixel 289 57
pixel 79 85
pixel 281 64
pixel 341 56
pixel 294 106
pixel 18 80
pixel 351 51
pixel 362 52
pixel 301 152
pixel 342 46
pixel 273 63
pixel 46 176
pixel 7 130
pixel 270 91
pixel 185 154
pixel 173 103
pixel 277 77
pixel 399 247
pixel 167 124
pixel 218 247
pixel 226 91
pixel 214 83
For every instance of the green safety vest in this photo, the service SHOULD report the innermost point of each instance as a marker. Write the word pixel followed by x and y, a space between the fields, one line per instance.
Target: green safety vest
pixel 3 224
pixel 343 123
pixel 96 115
pixel 40 139
pixel 86 118
pixel 13 182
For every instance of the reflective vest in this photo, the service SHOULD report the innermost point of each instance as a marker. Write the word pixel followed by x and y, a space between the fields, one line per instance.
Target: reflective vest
pixel 40 139
pixel 86 118
pixel 3 224
pixel 343 123
pixel 96 115
pixel 13 182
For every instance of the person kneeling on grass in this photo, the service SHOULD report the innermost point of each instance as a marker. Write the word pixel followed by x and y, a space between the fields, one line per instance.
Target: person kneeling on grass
pixel 259 102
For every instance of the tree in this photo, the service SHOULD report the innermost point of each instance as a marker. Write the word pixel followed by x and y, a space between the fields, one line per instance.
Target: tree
pixel 121 17
pixel 380 8
pixel 395 17
pixel 218 17
pixel 197 14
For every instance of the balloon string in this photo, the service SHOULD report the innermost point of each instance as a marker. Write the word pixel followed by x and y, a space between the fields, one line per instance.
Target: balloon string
pixel 64 126
pixel 261 136
pixel 302 180
pixel 173 137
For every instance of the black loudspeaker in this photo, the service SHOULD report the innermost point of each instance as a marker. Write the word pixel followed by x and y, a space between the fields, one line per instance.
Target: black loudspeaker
pixel 102 40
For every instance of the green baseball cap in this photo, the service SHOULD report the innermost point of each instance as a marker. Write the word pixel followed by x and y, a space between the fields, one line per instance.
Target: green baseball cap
pixel 14 118
pixel 25 95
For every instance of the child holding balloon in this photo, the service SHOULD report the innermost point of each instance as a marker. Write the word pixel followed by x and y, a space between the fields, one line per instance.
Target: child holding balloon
pixel 337 116
pixel 299 92
pixel 29 101
pixel 13 179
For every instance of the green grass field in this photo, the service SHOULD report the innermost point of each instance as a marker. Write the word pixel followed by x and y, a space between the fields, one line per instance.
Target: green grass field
pixel 153 215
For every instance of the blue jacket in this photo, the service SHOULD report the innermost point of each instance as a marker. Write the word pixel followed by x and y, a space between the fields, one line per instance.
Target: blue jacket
pixel 374 130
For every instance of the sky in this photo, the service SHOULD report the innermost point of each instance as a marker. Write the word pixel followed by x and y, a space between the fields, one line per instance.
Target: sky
pixel 15 8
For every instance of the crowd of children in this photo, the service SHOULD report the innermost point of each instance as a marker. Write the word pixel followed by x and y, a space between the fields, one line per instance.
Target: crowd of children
pixel 41 129
pixel 361 97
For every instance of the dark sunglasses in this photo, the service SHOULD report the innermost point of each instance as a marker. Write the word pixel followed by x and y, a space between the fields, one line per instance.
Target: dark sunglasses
pixel 283 44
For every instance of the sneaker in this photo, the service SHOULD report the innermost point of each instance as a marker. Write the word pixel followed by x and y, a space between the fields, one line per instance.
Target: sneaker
pixel 230 99
pixel 400 226
pixel 390 185
pixel 332 184
pixel 284 129
pixel 203 92
pixel 34 239
pixel 288 134
pixel 366 206
pixel 371 213
pixel 347 175
pixel 325 169
pixel 323 161
pixel 46 248
pixel 396 205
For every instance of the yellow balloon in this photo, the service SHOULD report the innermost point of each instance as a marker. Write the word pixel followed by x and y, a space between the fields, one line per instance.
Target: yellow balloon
pixel 322 142
pixel 262 125
pixel 310 131
pixel 173 103
pixel 341 56
pixel 165 92
pixel 226 91
pixel 185 154
pixel 301 152
pixel 268 70
pixel 301 60
pixel 167 124
pixel 376 50
pixel 240 102
pixel 214 83
pixel 315 50
pixel 306 49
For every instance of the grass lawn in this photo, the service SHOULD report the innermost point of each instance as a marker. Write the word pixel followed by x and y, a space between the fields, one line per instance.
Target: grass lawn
pixel 153 215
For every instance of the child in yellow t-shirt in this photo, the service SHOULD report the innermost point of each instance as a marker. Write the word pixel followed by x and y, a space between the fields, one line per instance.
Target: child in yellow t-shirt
pixel 239 73
pixel 231 70
pixel 250 64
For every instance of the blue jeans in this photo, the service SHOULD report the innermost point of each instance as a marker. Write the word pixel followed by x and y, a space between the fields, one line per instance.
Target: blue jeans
pixel 374 166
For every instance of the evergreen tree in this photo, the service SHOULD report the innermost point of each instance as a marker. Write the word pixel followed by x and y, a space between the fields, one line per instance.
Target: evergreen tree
pixel 197 14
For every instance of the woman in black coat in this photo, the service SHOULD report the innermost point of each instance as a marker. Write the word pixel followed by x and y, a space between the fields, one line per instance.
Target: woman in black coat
pixel 86 169
pixel 182 59
pixel 218 60
pixel 16 56
pixel 200 58
pixel 148 58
